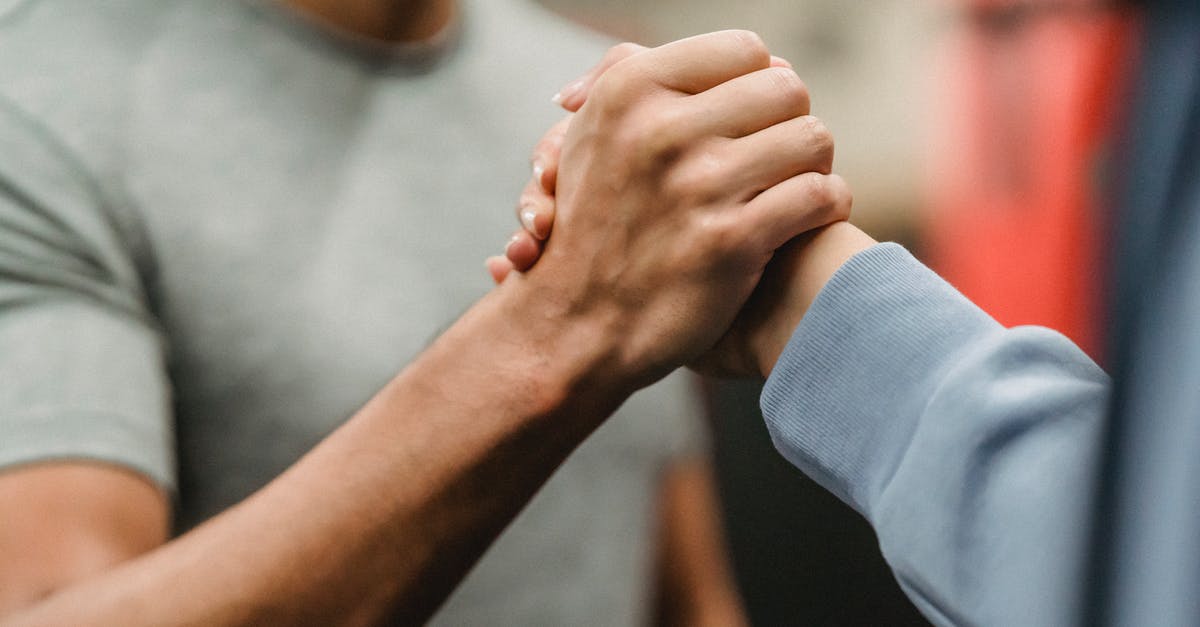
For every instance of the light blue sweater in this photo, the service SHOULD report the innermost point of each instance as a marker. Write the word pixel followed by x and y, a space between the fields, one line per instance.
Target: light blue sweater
pixel 970 447
pixel 1003 489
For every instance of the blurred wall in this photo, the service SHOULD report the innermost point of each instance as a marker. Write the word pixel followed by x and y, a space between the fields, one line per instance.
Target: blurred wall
pixel 800 555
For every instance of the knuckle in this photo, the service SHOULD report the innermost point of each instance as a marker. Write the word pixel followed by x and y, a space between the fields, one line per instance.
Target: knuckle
pixel 750 42
pixel 725 236
pixel 816 190
pixel 621 51
pixel 789 87
pixel 614 91
pixel 843 196
pixel 699 182
pixel 657 136
pixel 820 139
pixel 621 89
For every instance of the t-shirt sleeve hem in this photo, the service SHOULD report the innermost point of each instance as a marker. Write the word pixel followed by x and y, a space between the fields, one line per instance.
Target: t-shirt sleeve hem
pixel 84 435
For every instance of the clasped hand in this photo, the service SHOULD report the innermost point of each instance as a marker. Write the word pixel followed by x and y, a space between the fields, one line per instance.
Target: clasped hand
pixel 682 171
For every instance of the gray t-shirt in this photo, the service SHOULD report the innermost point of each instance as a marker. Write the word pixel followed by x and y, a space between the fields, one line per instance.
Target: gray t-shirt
pixel 222 229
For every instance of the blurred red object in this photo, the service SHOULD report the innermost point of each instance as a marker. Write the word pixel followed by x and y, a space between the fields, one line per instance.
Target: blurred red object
pixel 1033 95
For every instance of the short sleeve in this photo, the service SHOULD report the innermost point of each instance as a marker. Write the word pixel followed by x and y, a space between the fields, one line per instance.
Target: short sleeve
pixel 82 366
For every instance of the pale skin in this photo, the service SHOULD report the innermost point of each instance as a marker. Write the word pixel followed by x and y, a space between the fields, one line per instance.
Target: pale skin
pixel 337 539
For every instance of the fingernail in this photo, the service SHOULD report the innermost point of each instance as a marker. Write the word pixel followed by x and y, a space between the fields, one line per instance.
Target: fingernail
pixel 567 92
pixel 538 171
pixel 780 61
pixel 494 260
pixel 529 221
pixel 511 241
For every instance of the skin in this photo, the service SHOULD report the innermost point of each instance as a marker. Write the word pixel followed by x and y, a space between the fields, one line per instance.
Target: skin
pixel 715 177
pixel 535 209
pixel 408 21
pixel 688 591
pixel 798 272
pixel 67 522
pixel 389 21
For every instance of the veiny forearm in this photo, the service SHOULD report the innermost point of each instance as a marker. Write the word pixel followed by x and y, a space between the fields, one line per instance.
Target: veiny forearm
pixel 384 517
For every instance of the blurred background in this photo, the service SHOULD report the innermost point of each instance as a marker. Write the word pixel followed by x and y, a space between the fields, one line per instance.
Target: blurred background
pixel 979 133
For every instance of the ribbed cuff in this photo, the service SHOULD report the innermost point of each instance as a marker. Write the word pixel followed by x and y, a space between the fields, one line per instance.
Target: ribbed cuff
pixel 849 388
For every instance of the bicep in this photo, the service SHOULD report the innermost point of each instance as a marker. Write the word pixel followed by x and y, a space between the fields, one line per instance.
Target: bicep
pixel 63 522
pixel 84 405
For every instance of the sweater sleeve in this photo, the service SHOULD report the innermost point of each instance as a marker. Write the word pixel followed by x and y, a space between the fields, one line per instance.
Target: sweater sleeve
pixel 968 446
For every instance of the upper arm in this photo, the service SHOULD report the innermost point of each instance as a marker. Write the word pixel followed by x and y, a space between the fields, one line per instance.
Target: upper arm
pixel 65 521
pixel 86 443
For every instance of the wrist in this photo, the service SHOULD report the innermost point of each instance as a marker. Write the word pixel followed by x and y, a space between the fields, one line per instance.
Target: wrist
pixel 807 264
pixel 572 358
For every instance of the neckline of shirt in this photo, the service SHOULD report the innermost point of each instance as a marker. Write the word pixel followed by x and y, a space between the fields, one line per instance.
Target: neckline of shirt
pixel 402 58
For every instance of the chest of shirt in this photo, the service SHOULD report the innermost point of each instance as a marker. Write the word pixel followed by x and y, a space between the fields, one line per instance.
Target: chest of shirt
pixel 294 245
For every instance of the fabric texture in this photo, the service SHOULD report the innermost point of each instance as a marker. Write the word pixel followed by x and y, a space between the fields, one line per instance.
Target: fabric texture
pixel 1004 487
pixel 222 229
pixel 968 446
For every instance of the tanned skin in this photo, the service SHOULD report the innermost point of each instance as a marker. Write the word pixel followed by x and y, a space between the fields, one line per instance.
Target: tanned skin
pixel 641 277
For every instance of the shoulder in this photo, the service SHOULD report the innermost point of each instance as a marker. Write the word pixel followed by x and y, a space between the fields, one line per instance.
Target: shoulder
pixel 71 65
pixel 50 46
pixel 71 76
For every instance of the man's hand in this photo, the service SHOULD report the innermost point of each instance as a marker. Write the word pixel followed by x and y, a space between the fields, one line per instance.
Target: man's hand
pixel 767 317
pixel 679 180
pixel 535 210
pixel 536 207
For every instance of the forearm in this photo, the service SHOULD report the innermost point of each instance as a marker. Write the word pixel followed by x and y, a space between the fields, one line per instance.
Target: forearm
pixel 967 445
pixel 799 271
pixel 392 509
pixel 696 584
